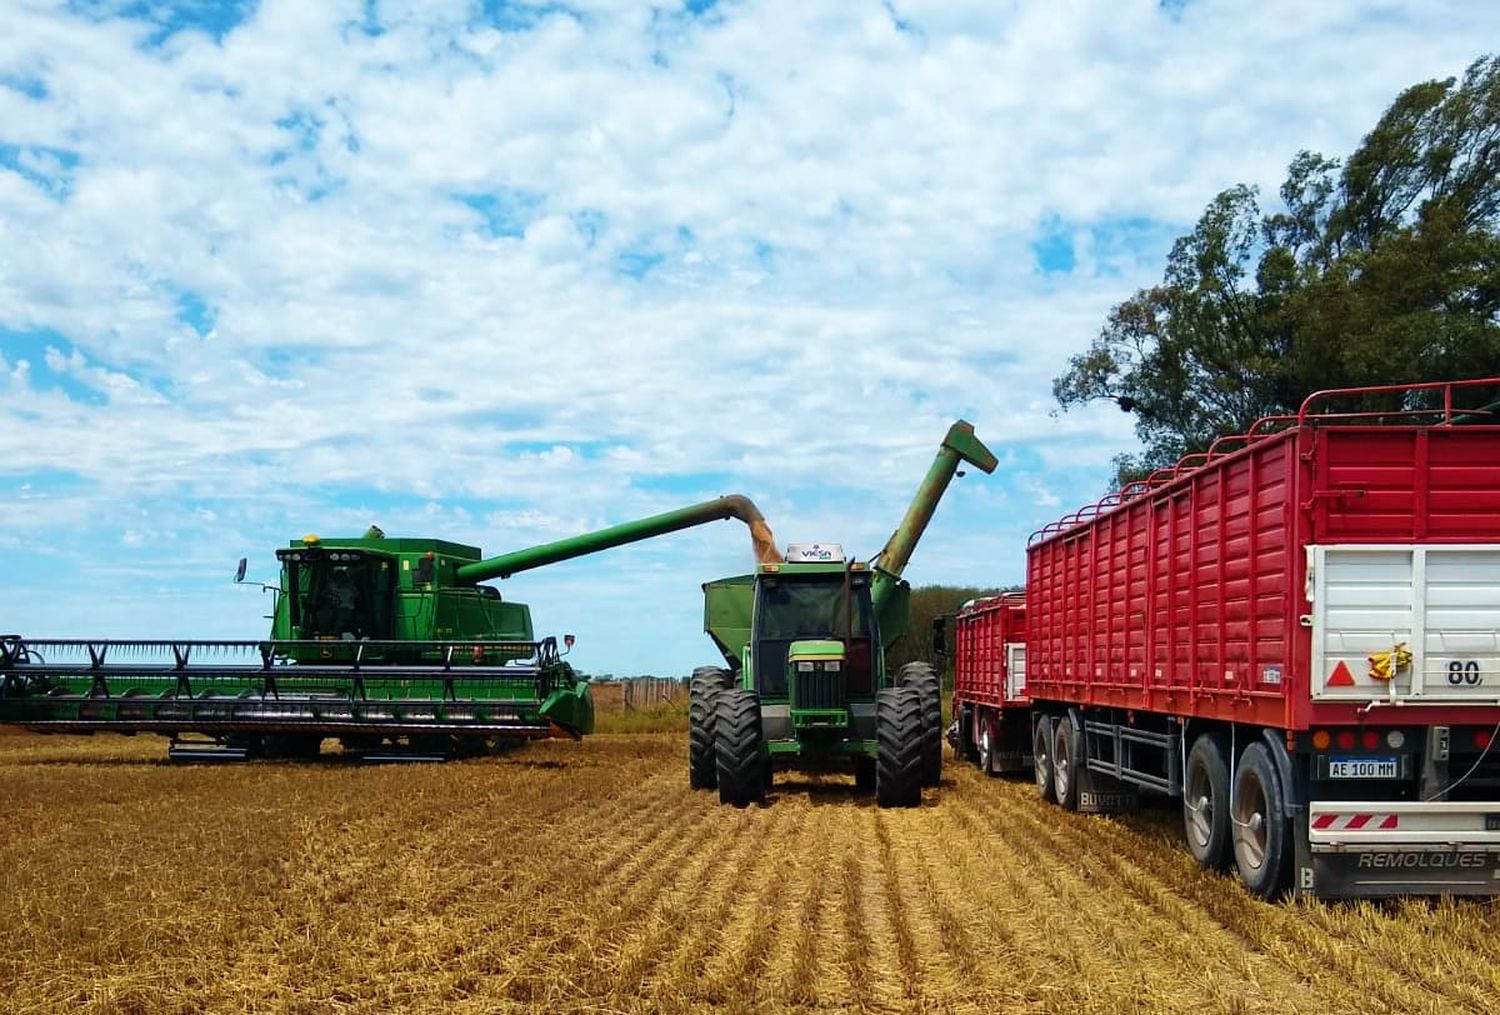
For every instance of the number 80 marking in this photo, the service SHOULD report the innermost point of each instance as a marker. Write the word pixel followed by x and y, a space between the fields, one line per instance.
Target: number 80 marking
pixel 1463 672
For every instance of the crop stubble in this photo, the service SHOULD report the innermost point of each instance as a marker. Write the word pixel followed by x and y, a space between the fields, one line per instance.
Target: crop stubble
pixel 588 877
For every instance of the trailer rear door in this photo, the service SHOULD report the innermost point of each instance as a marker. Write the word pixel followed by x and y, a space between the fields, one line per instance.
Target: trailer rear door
pixel 1440 603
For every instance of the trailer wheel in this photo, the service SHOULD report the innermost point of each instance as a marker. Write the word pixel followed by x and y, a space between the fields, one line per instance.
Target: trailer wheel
pixel 922 678
pixel 898 758
pixel 1261 832
pixel 737 740
pixel 987 737
pixel 967 748
pixel 1205 802
pixel 1067 762
pixel 704 689
pixel 1041 756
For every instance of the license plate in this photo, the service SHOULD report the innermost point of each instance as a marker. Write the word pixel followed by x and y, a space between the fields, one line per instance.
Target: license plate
pixel 1361 768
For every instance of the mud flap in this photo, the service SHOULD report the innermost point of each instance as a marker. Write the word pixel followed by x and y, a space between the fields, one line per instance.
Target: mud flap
pixel 1099 793
pixel 1397 871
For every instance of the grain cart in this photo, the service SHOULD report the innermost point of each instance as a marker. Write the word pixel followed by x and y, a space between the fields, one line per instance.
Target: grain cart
pixel 805 684
pixel 394 646
pixel 1297 635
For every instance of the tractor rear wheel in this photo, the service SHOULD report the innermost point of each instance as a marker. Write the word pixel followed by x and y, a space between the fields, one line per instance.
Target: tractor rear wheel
pixel 924 680
pixel 898 758
pixel 704 690
pixel 737 742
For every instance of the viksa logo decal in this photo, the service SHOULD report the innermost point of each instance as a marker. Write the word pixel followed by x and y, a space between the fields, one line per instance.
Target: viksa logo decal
pixel 1423 861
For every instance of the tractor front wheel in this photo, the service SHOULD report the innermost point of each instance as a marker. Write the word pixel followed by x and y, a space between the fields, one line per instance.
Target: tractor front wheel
pixel 703 692
pixel 737 743
pixel 898 758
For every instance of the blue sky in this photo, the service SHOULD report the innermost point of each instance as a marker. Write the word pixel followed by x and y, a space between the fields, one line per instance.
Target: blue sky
pixel 502 272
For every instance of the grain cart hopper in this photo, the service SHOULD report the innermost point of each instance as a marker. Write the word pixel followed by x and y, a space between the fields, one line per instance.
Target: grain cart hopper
pixel 392 645
pixel 805 684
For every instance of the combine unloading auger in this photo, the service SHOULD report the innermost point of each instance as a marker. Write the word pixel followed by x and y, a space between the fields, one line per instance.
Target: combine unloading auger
pixel 391 645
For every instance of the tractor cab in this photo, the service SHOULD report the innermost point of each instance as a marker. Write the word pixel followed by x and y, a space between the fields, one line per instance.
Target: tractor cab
pixel 814 639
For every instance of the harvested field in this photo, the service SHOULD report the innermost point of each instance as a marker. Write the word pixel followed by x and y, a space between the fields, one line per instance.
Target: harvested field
pixel 588 877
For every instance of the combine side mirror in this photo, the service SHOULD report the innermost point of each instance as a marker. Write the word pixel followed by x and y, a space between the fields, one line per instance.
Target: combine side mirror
pixel 239 572
pixel 939 637
pixel 568 640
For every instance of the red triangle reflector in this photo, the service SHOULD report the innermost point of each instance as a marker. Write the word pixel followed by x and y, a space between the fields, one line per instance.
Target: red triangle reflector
pixel 1341 677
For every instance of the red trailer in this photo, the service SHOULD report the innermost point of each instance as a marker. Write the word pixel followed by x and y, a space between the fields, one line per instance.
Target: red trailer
pixel 1298 635
pixel 990 705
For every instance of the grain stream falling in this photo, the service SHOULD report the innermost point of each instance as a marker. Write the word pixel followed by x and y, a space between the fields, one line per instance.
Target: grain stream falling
pixel 588 877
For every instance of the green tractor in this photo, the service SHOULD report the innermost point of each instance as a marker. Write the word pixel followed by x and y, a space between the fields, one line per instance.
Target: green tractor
pixel 394 646
pixel 805 685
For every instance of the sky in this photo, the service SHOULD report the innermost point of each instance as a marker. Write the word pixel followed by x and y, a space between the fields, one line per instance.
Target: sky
pixel 504 272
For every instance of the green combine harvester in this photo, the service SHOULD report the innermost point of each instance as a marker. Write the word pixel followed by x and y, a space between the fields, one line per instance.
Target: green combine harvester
pixel 393 646
pixel 805 685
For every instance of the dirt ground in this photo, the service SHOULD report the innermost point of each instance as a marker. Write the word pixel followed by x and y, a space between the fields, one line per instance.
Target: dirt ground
pixel 588 877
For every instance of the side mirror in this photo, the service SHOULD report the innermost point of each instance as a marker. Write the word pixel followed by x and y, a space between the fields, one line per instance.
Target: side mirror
pixel 239 572
pixel 568 640
pixel 939 637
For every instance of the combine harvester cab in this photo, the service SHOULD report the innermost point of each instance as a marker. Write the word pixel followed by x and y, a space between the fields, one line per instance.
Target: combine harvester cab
pixel 393 646
pixel 804 641
pixel 1297 635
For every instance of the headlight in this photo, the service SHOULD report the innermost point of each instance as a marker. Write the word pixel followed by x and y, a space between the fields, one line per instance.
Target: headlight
pixel 833 666
pixel 804 667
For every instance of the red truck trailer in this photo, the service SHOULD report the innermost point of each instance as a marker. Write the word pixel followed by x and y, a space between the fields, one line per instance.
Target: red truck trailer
pixel 1298 635
pixel 991 710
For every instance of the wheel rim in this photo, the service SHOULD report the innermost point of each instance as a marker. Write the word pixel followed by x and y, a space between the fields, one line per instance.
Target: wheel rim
pixel 1039 759
pixel 1250 832
pixel 1061 764
pixel 984 748
pixel 1198 805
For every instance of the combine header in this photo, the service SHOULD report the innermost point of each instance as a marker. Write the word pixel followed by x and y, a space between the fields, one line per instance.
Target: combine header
pixel 393 646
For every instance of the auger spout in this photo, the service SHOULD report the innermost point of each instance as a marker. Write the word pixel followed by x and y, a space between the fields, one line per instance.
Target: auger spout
pixel 721 508
pixel 960 445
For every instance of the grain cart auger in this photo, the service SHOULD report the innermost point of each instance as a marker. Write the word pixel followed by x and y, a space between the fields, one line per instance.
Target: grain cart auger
pixel 391 645
pixel 805 684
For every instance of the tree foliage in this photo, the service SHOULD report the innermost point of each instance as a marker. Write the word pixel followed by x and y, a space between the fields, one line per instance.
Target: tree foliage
pixel 1382 269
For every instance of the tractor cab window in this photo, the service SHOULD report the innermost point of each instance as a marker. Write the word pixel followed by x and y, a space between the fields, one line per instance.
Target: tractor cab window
pixel 339 595
pixel 834 607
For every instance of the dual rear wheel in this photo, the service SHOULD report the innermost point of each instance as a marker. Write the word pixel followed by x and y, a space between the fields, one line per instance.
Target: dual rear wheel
pixel 1241 820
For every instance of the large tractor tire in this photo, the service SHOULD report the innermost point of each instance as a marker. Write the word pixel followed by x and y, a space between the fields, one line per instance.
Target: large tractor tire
pixel 923 679
pixel 703 693
pixel 1205 802
pixel 737 741
pixel 898 759
pixel 1260 828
